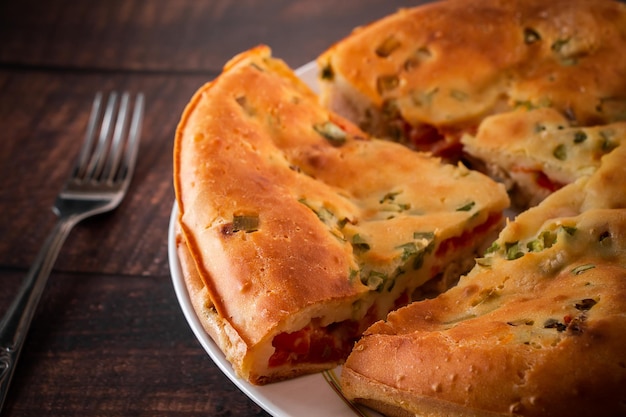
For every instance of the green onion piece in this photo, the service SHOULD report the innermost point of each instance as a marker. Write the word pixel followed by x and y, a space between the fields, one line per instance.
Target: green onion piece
pixel 331 132
pixel 531 36
pixel 549 239
pixel 467 206
pixel 353 274
pixel 570 230
pixel 459 95
pixel 560 152
pixel 580 137
pixel 408 250
pixel 604 236
pixel 423 98
pixel 536 245
pixel 245 223
pixel 389 45
pixel 513 251
pixel 493 248
pixel 375 280
pixel 327 73
pixel 430 236
pixel 386 83
pixel 554 324
pixel 484 262
pixel 360 244
pixel 420 55
pixel 582 268
pixel 585 304
pixel 521 322
pixel 391 196
pixel 558 45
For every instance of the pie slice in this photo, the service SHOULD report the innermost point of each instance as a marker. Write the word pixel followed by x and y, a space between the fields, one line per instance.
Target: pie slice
pixel 298 230
pixel 425 75
pixel 537 328
pixel 536 152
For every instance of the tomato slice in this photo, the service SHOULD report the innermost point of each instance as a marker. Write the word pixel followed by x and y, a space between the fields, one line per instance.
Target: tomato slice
pixel 319 344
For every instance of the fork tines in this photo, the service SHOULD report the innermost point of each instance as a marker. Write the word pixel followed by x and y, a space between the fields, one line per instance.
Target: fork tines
pixel 110 158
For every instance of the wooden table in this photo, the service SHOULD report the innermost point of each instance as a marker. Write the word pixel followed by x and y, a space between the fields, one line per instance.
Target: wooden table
pixel 109 337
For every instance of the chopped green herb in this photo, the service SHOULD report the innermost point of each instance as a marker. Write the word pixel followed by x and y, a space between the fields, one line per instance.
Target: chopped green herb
pixel 408 250
pixel 420 55
pixel 391 196
pixel 423 98
pixel 390 109
pixel 353 274
pixel 256 66
pixel 580 137
pixel 513 251
pixel 560 152
pixel 531 36
pixel 558 45
pixel 549 238
pixel 386 83
pixel 246 223
pixel 582 268
pixel 606 144
pixel 360 244
pixel 459 95
pixel 535 245
pixel 467 206
pixel 331 132
pixel 604 236
pixel 245 105
pixel 569 61
pixel 430 236
pixel 493 248
pixel 554 324
pixel 392 205
pixel 570 230
pixel 327 73
pixel 585 304
pixel 521 322
pixel 389 45
pixel 544 241
pixel 418 262
pixel 342 223
pixel 375 280
pixel 485 262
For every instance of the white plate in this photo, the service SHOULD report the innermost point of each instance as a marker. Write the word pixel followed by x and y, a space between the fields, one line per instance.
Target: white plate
pixel 312 395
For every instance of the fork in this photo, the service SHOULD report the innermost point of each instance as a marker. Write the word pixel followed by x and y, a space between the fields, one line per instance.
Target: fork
pixel 97 184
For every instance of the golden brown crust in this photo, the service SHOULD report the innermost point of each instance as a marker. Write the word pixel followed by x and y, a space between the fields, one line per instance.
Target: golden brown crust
pixel 451 63
pixel 294 216
pixel 536 328
pixel 531 344
pixel 539 151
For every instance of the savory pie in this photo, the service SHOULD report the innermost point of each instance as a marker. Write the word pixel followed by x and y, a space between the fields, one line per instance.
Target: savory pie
pixel 298 230
pixel 536 152
pixel 426 76
pixel 533 93
pixel 537 328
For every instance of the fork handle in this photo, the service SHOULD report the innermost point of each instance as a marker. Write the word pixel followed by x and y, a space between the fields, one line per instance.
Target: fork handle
pixel 16 322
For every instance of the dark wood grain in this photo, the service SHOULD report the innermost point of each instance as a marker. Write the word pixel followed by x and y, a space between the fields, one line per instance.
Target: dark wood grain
pixel 46 130
pixel 109 338
pixel 181 35
pixel 100 346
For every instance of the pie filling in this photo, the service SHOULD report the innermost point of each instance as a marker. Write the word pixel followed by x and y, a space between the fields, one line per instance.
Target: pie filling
pixel 540 178
pixel 317 344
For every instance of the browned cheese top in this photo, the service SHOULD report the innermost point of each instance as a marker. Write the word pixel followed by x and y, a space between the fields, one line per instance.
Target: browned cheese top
pixel 275 193
pixel 456 61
